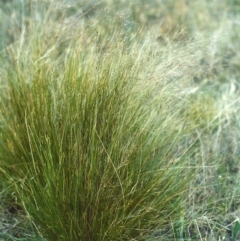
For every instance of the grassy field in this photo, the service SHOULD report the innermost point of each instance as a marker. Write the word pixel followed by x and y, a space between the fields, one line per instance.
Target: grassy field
pixel 119 120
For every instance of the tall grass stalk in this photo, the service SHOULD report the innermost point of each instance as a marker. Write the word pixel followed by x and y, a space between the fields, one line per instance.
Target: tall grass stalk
pixel 91 142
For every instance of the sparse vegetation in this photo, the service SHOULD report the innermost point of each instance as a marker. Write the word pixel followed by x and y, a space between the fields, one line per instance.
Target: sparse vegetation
pixel 119 120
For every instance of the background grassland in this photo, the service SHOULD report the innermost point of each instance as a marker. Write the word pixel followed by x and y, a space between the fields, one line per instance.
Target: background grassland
pixel 160 80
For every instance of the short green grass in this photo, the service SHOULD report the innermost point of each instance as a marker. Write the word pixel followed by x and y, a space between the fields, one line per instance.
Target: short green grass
pixel 119 120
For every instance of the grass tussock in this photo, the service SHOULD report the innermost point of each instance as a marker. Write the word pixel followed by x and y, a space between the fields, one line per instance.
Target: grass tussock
pixel 91 144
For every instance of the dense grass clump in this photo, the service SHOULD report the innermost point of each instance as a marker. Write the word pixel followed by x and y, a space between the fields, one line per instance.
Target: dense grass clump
pixel 90 144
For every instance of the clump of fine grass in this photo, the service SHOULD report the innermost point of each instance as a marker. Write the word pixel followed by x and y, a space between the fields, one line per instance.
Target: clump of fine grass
pixel 90 143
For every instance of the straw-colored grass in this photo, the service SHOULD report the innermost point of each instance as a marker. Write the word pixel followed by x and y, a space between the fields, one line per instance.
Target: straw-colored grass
pixel 119 120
